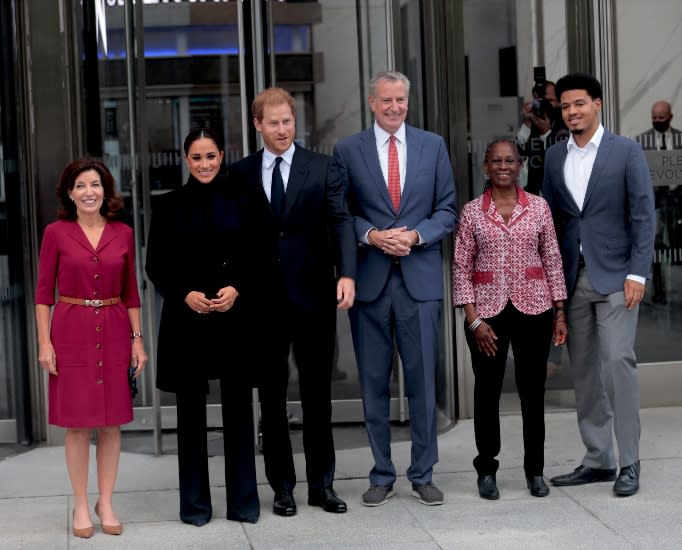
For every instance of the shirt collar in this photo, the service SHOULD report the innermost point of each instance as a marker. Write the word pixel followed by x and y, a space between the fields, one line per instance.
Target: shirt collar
pixel 594 141
pixel 382 135
pixel 269 157
pixel 522 198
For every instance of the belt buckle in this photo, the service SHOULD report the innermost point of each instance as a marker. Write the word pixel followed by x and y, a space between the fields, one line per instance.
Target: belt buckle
pixel 94 303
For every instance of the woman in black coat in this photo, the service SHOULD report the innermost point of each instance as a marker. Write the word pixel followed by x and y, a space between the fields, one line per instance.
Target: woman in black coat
pixel 198 258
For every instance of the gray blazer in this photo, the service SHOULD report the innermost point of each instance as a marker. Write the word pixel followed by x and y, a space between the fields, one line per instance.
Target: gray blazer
pixel 617 223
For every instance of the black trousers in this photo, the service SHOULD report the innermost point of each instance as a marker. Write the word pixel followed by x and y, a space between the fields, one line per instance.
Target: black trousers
pixel 529 336
pixel 311 335
pixel 240 464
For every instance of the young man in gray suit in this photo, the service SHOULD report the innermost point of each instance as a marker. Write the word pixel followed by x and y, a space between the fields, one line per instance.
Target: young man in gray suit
pixel 401 194
pixel 598 187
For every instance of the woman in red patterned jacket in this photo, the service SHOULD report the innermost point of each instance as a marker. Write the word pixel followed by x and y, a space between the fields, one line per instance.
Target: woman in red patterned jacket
pixel 507 275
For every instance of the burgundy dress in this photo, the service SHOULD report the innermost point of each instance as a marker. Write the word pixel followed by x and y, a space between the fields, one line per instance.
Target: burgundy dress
pixel 92 346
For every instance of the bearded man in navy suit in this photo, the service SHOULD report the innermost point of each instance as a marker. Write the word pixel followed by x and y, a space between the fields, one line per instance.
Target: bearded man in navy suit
pixel 311 272
pixel 401 192
pixel 598 187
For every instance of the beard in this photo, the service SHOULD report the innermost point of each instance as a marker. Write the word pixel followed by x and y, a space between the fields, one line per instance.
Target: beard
pixel 577 131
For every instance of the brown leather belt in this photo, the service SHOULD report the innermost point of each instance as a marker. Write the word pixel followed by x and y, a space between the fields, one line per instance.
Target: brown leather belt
pixel 90 303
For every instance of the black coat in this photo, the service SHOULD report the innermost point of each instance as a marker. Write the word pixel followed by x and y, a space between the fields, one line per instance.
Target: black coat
pixel 314 244
pixel 201 239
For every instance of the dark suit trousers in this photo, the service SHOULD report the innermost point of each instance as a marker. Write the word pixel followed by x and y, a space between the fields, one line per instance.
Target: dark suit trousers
pixel 414 325
pixel 240 465
pixel 529 336
pixel 311 335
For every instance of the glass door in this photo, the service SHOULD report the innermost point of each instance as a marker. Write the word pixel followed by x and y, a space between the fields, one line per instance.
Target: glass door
pixel 15 417
pixel 511 38
pixel 151 71
pixel 324 53
pixel 648 91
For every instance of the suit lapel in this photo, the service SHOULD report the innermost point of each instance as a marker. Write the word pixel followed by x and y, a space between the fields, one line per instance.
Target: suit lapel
pixel 414 152
pixel 563 188
pixel 368 149
pixel 298 176
pixel 599 162
pixel 254 174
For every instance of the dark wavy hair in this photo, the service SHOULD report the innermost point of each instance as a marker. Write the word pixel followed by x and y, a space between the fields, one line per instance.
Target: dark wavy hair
pixel 112 204
pixel 579 81
pixel 200 133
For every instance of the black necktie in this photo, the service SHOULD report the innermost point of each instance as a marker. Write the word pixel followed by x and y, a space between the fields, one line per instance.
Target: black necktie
pixel 277 191
pixel 663 147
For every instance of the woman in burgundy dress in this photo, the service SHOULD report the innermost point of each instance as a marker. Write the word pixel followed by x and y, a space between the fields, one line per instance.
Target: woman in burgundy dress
pixel 94 331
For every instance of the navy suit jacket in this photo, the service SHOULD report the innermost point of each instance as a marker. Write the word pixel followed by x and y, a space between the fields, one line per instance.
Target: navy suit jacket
pixel 427 205
pixel 314 243
pixel 617 222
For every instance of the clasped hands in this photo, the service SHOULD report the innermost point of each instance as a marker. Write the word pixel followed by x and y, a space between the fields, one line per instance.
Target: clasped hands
pixel 224 300
pixel 394 242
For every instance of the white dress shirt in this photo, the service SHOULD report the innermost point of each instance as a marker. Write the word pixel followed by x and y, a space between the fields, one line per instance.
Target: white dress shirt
pixel 382 137
pixel 268 166
pixel 668 140
pixel 577 172
pixel 578 165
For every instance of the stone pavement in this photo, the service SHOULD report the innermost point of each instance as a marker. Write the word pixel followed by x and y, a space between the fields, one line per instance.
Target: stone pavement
pixel 35 503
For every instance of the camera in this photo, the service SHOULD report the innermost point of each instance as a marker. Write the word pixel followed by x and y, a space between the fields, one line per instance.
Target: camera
pixel 541 106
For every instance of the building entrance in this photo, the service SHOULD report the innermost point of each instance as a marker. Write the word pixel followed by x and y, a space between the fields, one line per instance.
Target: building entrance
pixel 152 71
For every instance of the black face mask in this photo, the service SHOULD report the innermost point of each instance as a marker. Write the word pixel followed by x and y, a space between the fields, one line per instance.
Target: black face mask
pixel 661 125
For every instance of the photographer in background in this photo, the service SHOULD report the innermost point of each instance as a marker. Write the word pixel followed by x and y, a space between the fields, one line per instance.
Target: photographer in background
pixel 542 126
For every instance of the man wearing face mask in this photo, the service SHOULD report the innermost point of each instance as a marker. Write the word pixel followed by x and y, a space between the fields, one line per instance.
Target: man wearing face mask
pixel 663 137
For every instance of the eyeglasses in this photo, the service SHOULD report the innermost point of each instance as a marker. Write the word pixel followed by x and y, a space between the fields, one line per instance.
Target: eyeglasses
pixel 498 162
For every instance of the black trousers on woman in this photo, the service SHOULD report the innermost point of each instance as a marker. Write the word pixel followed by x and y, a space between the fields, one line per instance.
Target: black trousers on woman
pixel 240 465
pixel 529 336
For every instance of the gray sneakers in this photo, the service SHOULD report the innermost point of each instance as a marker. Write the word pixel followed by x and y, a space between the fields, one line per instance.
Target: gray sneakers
pixel 377 495
pixel 428 494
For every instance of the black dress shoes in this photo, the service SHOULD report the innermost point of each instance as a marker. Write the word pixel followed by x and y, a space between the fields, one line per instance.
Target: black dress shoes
pixel 328 500
pixel 537 487
pixel 583 475
pixel 628 480
pixel 284 504
pixel 487 487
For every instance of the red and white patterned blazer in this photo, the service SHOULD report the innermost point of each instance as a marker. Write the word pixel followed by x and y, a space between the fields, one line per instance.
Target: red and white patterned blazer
pixel 495 262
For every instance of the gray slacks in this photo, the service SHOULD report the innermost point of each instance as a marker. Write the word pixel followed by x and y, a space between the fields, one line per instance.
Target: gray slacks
pixel 604 368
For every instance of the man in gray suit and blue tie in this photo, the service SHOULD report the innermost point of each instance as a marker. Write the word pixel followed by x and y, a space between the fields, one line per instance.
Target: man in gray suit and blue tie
pixel 598 187
pixel 401 192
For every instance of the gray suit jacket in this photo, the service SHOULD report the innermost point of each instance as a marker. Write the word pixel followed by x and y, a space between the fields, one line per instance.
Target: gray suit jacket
pixel 617 223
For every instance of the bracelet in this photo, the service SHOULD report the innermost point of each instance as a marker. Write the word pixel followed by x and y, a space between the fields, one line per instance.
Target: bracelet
pixel 134 335
pixel 475 324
